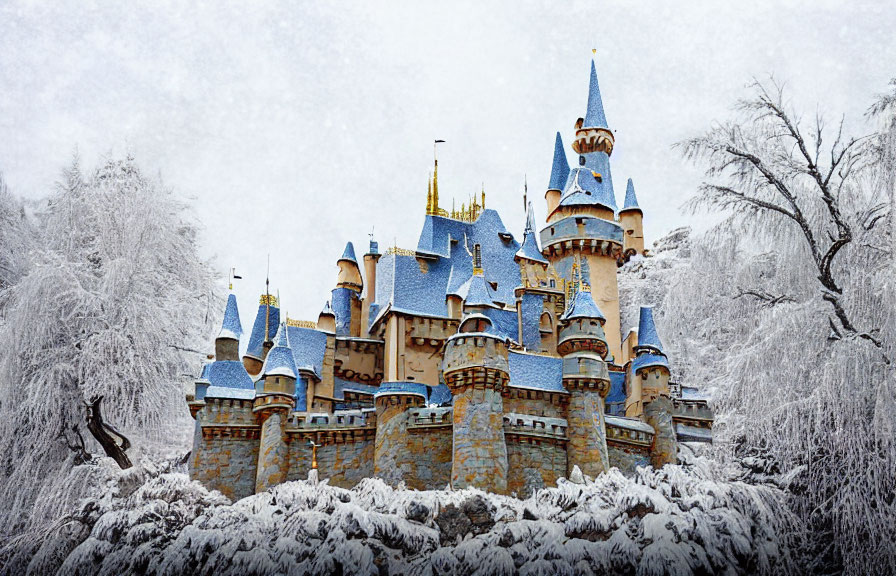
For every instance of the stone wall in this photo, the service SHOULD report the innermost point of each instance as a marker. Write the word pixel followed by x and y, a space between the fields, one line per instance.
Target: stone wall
pixel 393 461
pixel 533 464
pixel 430 453
pixel 587 446
pixel 225 447
pixel 626 459
pixel 480 454
pixel 535 402
pixel 344 463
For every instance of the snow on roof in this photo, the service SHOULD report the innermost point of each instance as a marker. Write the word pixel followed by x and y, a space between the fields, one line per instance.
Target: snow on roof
pixel 231 327
pixel 560 166
pixel 308 348
pixel 227 392
pixel 227 374
pixel 440 396
pixel 691 393
pixel 280 360
pixel 647 334
pixel 255 349
pixel 479 293
pixel 536 372
pixel 414 388
pixel 629 423
pixel 594 115
pixel 584 189
pixel 583 306
pixel 686 433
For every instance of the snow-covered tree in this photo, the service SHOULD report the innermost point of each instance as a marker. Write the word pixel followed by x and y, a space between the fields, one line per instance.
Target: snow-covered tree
pixel 792 301
pixel 16 237
pixel 113 294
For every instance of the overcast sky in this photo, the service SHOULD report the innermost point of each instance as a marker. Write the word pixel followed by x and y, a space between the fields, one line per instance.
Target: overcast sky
pixel 297 127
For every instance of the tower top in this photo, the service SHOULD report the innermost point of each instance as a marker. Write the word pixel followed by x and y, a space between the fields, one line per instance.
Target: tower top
pixel 631 201
pixel 529 247
pixel 280 360
pixel 648 338
pixel 349 254
pixel 560 167
pixel 583 306
pixel 231 327
pixel 594 115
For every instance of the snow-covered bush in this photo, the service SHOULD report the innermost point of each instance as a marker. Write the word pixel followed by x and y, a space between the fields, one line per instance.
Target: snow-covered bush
pixel 677 520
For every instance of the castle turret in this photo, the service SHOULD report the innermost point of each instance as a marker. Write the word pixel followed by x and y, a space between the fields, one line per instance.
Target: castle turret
pixel 476 370
pixel 391 447
pixel 538 293
pixel 275 398
pixel 370 260
pixel 649 370
pixel 347 294
pixel 559 174
pixel 263 331
pixel 326 320
pixel 632 221
pixel 582 230
pixel 582 344
pixel 227 344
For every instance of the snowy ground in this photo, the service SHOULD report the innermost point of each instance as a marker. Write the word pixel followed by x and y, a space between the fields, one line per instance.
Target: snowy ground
pixel 678 520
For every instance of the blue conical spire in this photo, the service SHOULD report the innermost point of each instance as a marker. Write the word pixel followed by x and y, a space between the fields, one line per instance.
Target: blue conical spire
pixel 231 327
pixel 529 247
pixel 280 360
pixel 594 117
pixel 647 334
pixel 349 253
pixel 560 168
pixel 631 201
pixel 583 306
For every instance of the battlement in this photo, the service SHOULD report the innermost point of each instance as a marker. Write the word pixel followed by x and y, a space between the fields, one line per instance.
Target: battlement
pixel 629 433
pixel 518 427
pixel 423 418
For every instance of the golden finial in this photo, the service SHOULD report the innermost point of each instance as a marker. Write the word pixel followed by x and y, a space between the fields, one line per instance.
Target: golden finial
pixel 483 195
pixel 429 195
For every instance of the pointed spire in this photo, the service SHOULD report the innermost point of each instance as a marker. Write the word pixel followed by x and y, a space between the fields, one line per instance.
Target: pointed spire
pixel 429 196
pixel 280 360
pixel 328 310
pixel 529 248
pixel 231 327
pixel 560 167
pixel 631 201
pixel 435 186
pixel 594 117
pixel 647 334
pixel 349 253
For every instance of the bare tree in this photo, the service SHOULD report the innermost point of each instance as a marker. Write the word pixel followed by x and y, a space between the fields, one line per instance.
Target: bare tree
pixel 766 165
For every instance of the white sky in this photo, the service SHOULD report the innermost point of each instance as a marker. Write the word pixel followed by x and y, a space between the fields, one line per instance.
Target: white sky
pixel 297 128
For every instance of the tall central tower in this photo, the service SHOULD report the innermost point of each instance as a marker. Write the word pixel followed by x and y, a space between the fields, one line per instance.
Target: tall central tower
pixel 582 234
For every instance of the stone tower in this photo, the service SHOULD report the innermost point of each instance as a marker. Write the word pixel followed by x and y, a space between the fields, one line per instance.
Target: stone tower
pixel 275 398
pixel 347 294
pixel 582 228
pixel 476 370
pixel 392 454
pixel 583 346
pixel 227 343
pixel 632 221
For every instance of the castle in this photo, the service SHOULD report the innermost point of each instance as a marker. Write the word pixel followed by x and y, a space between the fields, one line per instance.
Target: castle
pixel 472 360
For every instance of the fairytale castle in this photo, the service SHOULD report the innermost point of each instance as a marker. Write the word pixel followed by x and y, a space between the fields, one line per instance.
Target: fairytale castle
pixel 472 360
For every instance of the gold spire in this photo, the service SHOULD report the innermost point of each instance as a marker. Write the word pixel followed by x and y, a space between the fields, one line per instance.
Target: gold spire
pixel 429 209
pixel 435 186
pixel 483 195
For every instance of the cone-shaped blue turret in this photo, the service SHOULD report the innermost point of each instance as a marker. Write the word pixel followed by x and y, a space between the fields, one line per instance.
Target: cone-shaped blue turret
pixel 583 306
pixel 231 327
pixel 631 201
pixel 280 360
pixel 647 334
pixel 529 247
pixel 560 168
pixel 349 253
pixel 594 117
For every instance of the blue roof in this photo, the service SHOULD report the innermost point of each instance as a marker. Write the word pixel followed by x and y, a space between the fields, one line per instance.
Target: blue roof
pixel 560 167
pixel 308 348
pixel 594 116
pixel 405 285
pixel 536 372
pixel 504 323
pixel 647 335
pixel 349 253
pixel 582 187
pixel 649 360
pixel 529 249
pixel 440 395
pixel 583 306
pixel 280 361
pixel 617 388
pixel 340 386
pixel 231 327
pixel 631 201
pixel 257 338
pixel 478 292
pixel 415 388
pixel 227 374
